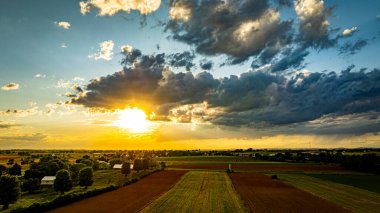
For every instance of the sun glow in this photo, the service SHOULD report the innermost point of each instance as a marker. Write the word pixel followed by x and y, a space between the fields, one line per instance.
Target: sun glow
pixel 134 120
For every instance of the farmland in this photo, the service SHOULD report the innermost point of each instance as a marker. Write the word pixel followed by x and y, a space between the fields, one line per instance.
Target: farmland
pixel 127 199
pixel 200 191
pixel 263 194
pixel 353 198
pixel 201 184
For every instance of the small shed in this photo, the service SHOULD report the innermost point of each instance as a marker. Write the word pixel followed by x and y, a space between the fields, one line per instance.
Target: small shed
pixel 48 180
pixel 117 166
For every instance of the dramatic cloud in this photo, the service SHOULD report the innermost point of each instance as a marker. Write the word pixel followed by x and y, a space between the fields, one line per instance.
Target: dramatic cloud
pixel 351 48
pixel 111 7
pixel 184 59
pixel 64 24
pixel 206 65
pixel 11 86
pixel 313 26
pixel 105 51
pixel 349 32
pixel 238 29
pixel 255 99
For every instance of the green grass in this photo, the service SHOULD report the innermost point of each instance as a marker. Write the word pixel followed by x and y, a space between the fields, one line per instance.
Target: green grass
pixel 363 181
pixel 200 192
pixel 352 198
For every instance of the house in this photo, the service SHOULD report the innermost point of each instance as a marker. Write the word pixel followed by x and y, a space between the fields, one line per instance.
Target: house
pixel 117 166
pixel 48 180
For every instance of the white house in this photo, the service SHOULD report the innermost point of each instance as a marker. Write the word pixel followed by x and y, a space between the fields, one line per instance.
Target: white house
pixel 117 166
pixel 48 180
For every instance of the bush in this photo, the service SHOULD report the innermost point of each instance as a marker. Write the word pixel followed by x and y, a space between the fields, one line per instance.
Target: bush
pixel 31 185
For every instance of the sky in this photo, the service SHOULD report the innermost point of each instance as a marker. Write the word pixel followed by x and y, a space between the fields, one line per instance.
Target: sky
pixel 182 74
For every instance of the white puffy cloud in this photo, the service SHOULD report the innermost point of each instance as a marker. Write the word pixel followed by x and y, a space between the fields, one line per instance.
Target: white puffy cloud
pixel 126 48
pixel 105 51
pixel 180 13
pixel 11 86
pixel 111 7
pixel 349 32
pixel 64 24
pixel 38 75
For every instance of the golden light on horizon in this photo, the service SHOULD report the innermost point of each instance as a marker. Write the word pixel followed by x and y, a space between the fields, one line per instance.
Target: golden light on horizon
pixel 134 120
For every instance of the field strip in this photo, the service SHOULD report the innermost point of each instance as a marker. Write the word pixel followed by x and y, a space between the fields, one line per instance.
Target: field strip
pixel 199 191
pixel 355 199
pixel 266 195
pixel 131 198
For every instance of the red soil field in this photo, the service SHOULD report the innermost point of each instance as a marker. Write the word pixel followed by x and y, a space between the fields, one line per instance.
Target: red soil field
pixel 263 194
pixel 130 198
pixel 264 167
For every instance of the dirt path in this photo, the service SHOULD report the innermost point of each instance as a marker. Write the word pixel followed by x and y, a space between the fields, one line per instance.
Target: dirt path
pixel 130 198
pixel 265 195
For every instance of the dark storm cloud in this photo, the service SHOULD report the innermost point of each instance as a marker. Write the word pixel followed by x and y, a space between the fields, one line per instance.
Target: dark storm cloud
pixel 291 58
pixel 238 29
pixel 184 59
pixel 351 48
pixel 206 65
pixel 255 99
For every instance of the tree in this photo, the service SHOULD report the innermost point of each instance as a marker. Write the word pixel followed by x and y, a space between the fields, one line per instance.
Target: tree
pixel 114 161
pixel 9 190
pixel 126 168
pixel 74 170
pixel 14 170
pixel 137 165
pixel 163 165
pixel 62 181
pixel 31 185
pixel 2 169
pixel 85 177
pixel 33 173
pixel 145 163
pixel 86 161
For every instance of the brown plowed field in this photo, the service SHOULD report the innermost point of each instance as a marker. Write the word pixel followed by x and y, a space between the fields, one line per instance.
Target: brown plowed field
pixel 130 198
pixel 263 194
pixel 264 167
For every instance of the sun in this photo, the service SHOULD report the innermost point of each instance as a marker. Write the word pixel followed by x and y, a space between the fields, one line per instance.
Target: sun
pixel 134 120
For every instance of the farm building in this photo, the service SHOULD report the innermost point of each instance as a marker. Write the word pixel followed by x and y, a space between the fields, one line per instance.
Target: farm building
pixel 117 166
pixel 48 180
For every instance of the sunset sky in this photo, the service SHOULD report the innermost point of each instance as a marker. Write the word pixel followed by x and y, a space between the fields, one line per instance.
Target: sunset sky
pixel 185 74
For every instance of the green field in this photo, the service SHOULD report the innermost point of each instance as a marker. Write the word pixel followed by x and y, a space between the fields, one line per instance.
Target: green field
pixel 200 191
pixel 364 181
pixel 353 198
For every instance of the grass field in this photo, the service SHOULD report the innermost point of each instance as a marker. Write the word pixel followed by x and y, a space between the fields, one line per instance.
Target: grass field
pixel 352 198
pixel 200 191
pixel 364 181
